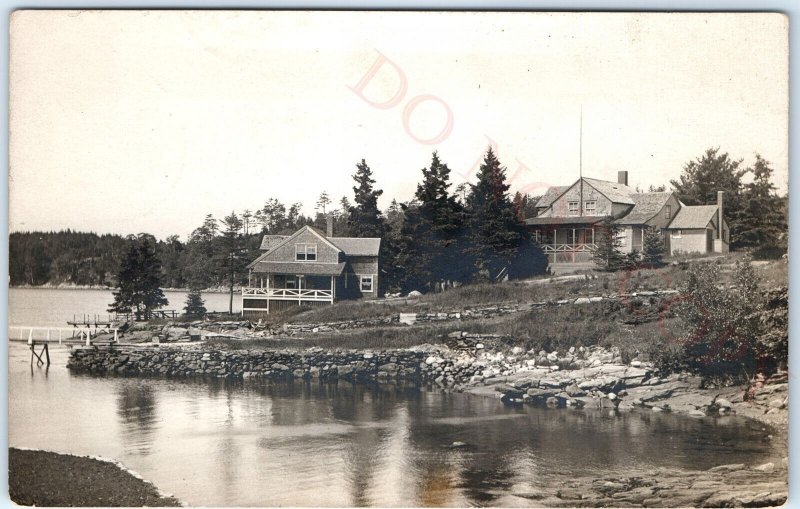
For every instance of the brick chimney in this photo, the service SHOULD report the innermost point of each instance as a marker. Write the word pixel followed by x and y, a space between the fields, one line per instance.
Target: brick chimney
pixel 329 224
pixel 622 178
pixel 720 194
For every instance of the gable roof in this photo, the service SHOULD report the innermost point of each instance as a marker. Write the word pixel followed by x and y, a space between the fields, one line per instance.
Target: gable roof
pixel 617 193
pixel 306 268
pixel 357 246
pixel 697 216
pixel 551 195
pixel 270 241
pixel 647 205
pixel 288 239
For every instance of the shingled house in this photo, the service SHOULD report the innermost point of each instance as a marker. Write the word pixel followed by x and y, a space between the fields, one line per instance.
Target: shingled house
pixel 567 218
pixel 310 268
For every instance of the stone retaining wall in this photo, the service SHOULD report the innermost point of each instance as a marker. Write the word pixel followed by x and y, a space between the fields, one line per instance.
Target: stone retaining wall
pixel 166 361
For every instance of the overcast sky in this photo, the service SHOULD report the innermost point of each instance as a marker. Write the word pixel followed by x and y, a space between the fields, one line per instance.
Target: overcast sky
pixel 127 122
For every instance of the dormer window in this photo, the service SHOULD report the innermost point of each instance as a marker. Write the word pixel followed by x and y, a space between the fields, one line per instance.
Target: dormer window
pixel 572 207
pixel 305 252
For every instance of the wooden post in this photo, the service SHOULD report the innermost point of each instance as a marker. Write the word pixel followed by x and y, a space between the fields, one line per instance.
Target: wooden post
pixel 116 337
pixel 30 337
pixel 47 353
pixel 88 338
pixel 59 335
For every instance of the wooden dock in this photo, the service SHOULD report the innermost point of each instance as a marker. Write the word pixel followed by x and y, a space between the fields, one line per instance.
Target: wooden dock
pixel 43 336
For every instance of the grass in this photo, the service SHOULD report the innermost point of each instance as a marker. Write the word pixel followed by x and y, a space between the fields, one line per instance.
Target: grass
pixel 551 328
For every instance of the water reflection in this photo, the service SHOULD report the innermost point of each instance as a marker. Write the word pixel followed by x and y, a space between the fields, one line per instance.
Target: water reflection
pixel 234 443
pixel 136 404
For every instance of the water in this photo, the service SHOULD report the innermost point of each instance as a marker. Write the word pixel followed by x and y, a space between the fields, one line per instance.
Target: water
pixel 53 307
pixel 263 444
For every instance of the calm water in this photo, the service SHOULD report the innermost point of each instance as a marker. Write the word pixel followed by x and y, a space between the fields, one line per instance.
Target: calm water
pixel 244 444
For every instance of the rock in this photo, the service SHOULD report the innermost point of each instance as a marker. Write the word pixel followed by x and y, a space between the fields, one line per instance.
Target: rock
pixel 414 293
pixel 727 468
pixel 457 444
pixel 766 467
pixel 582 300
pixel 723 403
pixel 479 346
pixel 636 364
pixel 776 403
pixel 552 357
pixel 516 350
pixel 611 396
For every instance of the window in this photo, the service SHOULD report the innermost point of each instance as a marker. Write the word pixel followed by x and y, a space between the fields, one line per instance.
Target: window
pixel 621 238
pixel 590 206
pixel 305 252
pixel 676 234
pixel 366 283
pixel 667 211
pixel 573 207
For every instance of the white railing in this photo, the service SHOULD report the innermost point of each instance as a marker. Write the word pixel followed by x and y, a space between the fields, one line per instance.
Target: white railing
pixel 71 335
pixel 288 294
pixel 568 248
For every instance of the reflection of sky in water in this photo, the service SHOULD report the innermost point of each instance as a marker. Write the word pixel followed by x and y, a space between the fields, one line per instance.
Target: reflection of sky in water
pixel 216 443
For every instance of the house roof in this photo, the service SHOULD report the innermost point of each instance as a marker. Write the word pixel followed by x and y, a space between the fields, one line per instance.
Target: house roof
pixel 270 241
pixel 550 195
pixel 617 193
pixel 305 268
pixel 697 216
pixel 355 246
pixel 565 221
pixel 646 206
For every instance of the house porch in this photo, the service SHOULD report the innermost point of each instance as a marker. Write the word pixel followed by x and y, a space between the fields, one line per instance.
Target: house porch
pixel 276 292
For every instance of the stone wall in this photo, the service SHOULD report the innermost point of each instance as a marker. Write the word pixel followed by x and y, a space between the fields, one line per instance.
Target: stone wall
pixel 419 367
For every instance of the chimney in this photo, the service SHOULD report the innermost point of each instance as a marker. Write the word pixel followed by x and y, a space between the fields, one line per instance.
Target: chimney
pixel 719 212
pixel 622 178
pixel 329 232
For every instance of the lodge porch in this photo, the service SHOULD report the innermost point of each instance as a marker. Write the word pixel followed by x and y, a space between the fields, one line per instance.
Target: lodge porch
pixel 569 246
pixel 276 292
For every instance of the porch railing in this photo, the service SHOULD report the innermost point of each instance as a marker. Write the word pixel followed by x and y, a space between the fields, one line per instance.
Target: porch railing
pixel 569 253
pixel 287 294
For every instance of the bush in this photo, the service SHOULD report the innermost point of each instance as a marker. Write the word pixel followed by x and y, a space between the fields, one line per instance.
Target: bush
pixel 723 322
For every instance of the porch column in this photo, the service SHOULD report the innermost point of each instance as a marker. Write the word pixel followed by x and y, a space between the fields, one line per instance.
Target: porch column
pixel 333 288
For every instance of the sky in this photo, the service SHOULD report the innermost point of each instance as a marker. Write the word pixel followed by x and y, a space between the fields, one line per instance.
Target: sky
pixel 146 121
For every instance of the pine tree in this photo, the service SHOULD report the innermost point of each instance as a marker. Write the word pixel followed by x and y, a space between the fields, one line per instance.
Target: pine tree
pixel 323 202
pixel 607 255
pixel 139 280
pixel 763 223
pixel 432 236
pixel 365 218
pixel 499 241
pixel 194 304
pixel 231 253
pixel 653 247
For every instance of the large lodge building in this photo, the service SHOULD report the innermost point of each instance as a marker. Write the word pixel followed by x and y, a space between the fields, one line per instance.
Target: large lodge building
pixel 567 218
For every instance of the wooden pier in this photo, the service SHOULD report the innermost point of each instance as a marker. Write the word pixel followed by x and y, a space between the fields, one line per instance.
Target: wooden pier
pixel 44 336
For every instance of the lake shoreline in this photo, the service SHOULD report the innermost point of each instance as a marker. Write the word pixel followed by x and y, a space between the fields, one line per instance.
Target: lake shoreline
pixel 68 286
pixel 46 478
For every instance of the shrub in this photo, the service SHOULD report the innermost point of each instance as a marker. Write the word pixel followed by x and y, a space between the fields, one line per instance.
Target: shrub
pixel 723 322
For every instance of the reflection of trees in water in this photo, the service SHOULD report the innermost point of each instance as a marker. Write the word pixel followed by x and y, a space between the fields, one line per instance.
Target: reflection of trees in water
pixel 137 411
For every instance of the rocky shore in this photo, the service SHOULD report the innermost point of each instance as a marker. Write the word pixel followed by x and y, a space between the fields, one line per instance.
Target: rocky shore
pixel 42 478
pixel 733 485
pixel 585 377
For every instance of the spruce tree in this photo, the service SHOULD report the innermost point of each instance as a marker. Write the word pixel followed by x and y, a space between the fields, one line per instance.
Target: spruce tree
pixel 194 304
pixel 231 254
pixel 139 280
pixel 432 235
pixel 607 255
pixel 763 222
pixel 498 239
pixel 652 247
pixel 365 218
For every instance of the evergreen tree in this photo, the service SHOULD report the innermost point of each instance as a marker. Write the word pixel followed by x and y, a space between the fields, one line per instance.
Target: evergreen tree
pixel 763 223
pixel 365 218
pixel 139 280
pixel 194 304
pixel 323 202
pixel 498 239
pixel 652 247
pixel 432 236
pixel 231 254
pixel 607 255
pixel 703 177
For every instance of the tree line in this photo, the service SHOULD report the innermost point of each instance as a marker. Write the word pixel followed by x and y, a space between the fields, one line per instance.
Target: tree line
pixel 441 237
